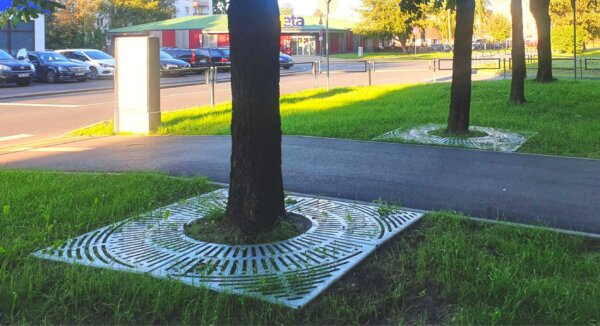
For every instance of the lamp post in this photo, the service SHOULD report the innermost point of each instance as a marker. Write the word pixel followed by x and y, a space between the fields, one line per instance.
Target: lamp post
pixel 327 40
pixel 574 5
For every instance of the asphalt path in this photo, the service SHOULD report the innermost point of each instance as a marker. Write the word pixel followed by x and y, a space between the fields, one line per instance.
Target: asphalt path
pixel 532 189
pixel 34 118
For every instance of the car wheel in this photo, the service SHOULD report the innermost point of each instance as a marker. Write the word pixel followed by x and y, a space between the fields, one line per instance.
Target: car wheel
pixel 24 83
pixel 50 77
pixel 82 79
pixel 93 73
pixel 287 67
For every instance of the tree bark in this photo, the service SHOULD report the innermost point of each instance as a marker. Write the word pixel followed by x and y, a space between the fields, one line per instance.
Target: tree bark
pixel 460 97
pixel 541 13
pixel 256 198
pixel 519 72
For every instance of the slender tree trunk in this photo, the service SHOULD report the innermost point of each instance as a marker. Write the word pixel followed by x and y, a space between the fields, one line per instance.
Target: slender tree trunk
pixel 256 197
pixel 460 98
pixel 540 10
pixel 519 72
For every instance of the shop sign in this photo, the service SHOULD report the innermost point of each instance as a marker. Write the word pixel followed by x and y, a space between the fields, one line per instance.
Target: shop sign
pixel 293 22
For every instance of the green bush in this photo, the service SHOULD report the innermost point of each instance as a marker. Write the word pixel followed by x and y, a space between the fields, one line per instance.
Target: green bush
pixel 562 38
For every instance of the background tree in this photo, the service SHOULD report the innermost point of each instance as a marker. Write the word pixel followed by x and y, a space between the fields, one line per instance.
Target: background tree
pixel 318 13
pixel 541 14
pixel 588 20
pixel 220 7
pixel 122 13
pixel 460 93
pixel 385 19
pixel 256 198
pixel 436 16
pixel 74 26
pixel 481 15
pixel 500 27
pixel 286 9
pixel 562 38
pixel 519 72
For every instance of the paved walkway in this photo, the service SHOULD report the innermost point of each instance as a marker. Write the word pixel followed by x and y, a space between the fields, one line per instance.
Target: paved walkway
pixel 533 189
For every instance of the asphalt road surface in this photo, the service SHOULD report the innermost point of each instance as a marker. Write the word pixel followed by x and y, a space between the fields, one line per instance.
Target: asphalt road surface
pixel 28 118
pixel 534 189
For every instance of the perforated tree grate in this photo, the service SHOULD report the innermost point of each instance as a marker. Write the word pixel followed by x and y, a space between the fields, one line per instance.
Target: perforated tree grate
pixel 290 272
pixel 496 139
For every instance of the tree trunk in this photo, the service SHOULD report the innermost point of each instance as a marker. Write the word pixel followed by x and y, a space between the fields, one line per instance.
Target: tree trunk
pixel 541 14
pixel 256 198
pixel 460 98
pixel 519 72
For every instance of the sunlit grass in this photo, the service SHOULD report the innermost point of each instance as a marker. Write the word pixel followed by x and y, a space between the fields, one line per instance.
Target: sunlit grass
pixel 564 116
pixel 446 269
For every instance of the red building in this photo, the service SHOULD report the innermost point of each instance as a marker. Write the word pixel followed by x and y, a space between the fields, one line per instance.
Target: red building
pixel 300 35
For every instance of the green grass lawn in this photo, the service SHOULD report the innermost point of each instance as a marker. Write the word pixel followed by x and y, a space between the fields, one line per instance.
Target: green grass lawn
pixel 565 115
pixel 447 269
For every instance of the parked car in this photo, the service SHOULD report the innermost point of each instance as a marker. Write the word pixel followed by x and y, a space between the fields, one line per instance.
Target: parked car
pixel 219 58
pixel 285 61
pixel 53 67
pixel 172 66
pixel 200 58
pixel 14 71
pixel 226 53
pixel 100 64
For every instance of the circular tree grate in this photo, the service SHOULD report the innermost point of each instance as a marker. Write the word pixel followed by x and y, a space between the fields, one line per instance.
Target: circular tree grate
pixel 290 272
pixel 496 140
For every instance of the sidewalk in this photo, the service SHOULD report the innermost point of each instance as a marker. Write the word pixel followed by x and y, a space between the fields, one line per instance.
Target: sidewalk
pixel 532 189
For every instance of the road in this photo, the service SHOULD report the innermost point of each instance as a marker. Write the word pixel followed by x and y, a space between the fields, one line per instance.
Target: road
pixel 30 118
pixel 533 189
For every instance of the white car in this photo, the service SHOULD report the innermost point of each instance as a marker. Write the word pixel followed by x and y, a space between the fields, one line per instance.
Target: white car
pixel 99 63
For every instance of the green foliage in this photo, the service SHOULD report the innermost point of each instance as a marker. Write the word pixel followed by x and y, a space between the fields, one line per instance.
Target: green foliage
pixel 588 16
pixel 122 13
pixel 384 19
pixel 27 10
pixel 500 28
pixel 562 39
pixel 74 26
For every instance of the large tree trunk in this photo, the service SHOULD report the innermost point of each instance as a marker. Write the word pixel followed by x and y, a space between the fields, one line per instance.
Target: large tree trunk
pixel 541 13
pixel 519 72
pixel 460 98
pixel 256 198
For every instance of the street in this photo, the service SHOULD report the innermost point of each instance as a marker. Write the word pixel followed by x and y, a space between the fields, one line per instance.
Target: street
pixel 60 108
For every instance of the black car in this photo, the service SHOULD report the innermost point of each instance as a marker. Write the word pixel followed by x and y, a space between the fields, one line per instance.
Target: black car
pixel 13 71
pixel 172 66
pixel 53 67
pixel 200 58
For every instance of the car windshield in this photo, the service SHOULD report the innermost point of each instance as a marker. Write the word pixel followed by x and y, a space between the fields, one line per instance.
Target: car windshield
pixel 216 53
pixel 97 55
pixel 52 57
pixel 165 55
pixel 225 52
pixel 5 56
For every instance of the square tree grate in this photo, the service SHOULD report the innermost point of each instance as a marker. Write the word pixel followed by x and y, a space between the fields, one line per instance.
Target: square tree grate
pixel 290 272
pixel 495 140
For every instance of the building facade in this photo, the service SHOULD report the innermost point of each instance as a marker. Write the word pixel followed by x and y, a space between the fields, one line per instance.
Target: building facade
pixel 193 8
pixel 300 35
pixel 30 36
